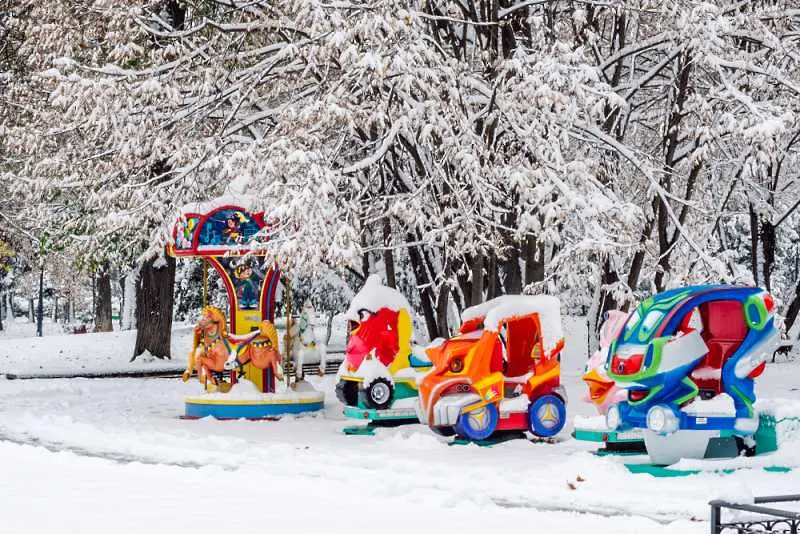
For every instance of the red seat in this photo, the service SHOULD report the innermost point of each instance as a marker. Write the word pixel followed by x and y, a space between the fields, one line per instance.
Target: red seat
pixel 724 329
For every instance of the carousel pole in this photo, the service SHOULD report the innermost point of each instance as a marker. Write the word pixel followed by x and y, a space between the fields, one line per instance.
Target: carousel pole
pixel 205 282
pixel 289 364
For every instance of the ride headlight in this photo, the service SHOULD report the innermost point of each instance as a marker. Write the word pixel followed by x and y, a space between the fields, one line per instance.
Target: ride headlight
pixel 613 417
pixel 662 420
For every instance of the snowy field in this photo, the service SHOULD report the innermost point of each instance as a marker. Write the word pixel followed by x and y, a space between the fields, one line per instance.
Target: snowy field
pixel 111 455
pixel 23 354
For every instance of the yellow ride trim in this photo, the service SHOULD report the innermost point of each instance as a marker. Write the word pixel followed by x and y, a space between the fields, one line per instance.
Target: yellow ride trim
pixel 253 402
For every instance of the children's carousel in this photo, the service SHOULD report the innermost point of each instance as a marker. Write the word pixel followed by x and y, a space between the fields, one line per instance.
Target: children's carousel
pixel 238 358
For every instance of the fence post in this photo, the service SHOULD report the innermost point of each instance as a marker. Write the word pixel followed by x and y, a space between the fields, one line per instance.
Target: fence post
pixel 715 517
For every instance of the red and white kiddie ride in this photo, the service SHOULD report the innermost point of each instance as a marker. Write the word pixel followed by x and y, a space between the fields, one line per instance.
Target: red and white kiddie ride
pixel 501 373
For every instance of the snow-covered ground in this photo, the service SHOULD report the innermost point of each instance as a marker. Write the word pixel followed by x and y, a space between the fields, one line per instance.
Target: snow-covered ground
pixel 21 353
pixel 85 353
pixel 84 455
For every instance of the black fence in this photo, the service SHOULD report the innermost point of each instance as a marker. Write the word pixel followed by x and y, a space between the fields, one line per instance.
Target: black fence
pixel 759 519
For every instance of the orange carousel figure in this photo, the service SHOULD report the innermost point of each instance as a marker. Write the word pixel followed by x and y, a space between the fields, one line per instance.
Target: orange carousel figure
pixel 215 351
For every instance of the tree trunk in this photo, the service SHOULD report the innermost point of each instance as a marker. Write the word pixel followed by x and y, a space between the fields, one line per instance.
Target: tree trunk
pixel 534 260
pixel 768 251
pixel 477 279
pixel 464 278
pixel 793 309
pixel 441 310
pixel 31 311
pixel 1 316
pixel 122 302
pixel 55 309
pixel 513 281
pixel 365 256
pixel 388 256
pixel 40 307
pixel 102 310
pixel 494 289
pixel 607 300
pixel 425 297
pixel 154 300
pixel 753 244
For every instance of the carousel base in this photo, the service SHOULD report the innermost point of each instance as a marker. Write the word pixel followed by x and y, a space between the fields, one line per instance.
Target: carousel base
pixel 254 406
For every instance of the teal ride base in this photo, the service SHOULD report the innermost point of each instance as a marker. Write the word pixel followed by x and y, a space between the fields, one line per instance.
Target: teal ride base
pixel 197 408
pixel 495 439
pixel 376 418
pixel 360 430
pixel 667 472
pixel 615 443
pixel 766 441
pixel 392 414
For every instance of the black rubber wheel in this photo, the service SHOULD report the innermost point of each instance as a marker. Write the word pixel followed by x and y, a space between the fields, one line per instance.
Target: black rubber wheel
pixel 445 431
pixel 378 394
pixel 347 392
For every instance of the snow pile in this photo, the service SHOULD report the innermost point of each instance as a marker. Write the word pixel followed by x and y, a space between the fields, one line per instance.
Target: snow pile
pixel 371 369
pixel 721 406
pixel 596 422
pixel 374 296
pixel 244 390
pixel 245 202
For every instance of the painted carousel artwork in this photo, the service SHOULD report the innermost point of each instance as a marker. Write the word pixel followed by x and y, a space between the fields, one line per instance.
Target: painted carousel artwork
pixel 237 358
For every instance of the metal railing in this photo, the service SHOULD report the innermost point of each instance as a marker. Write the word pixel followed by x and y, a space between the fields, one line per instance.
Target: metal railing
pixel 764 519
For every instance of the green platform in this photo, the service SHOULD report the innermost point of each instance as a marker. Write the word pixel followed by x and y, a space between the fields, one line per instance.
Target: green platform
pixel 661 471
pixel 499 437
pixel 359 430
pixel 376 418
pixel 392 414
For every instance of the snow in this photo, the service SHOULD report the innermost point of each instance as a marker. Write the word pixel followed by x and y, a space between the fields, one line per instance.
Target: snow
pixel 721 405
pixel 98 353
pixel 514 404
pixel 374 296
pixel 245 390
pixel 707 373
pixel 595 422
pixel 97 451
pixel 229 199
pixel 501 308
pixel 370 369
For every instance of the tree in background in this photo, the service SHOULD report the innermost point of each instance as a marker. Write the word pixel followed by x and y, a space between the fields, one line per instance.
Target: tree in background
pixel 596 151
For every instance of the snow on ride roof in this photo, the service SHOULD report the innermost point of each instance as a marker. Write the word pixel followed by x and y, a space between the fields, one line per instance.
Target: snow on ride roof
pixel 374 296
pixel 242 201
pixel 508 306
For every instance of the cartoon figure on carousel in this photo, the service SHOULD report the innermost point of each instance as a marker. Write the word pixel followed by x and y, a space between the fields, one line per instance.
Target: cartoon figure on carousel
pixel 233 228
pixel 215 351
pixel 246 281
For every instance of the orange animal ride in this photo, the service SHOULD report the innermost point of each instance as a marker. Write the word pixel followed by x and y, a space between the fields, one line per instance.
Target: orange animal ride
pixel 215 351
pixel 502 372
